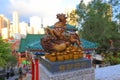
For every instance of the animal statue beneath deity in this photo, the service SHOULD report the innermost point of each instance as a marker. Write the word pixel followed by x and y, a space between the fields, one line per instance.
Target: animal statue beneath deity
pixel 58 39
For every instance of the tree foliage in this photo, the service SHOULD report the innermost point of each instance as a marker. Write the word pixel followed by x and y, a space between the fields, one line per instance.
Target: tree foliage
pixel 5 53
pixel 96 22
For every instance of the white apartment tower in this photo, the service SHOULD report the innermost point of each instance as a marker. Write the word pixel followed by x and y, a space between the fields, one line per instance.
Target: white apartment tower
pixel 23 28
pixel 1 23
pixel 15 22
pixel 4 27
pixel 36 25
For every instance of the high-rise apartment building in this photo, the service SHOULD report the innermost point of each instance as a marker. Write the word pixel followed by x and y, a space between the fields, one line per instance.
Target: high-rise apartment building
pixel 72 17
pixel 35 23
pixel 23 28
pixel 1 23
pixel 109 12
pixel 29 30
pixel 7 25
pixel 15 22
pixel 4 27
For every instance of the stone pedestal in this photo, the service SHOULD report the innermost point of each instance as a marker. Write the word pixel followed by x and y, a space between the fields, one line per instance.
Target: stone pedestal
pixel 65 66
pixel 81 74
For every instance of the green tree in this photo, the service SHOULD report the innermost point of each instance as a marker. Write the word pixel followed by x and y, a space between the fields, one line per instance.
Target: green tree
pixel 12 60
pixel 81 12
pixel 116 6
pixel 95 19
pixel 5 53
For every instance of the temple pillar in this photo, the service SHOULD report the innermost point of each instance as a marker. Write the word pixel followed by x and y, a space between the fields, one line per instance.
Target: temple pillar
pixel 33 70
pixel 37 69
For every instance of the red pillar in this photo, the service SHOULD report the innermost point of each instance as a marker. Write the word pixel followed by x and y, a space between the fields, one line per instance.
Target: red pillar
pixel 37 69
pixel 33 71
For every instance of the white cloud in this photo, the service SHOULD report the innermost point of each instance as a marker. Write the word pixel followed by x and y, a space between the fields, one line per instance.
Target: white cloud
pixel 42 8
pixel 36 7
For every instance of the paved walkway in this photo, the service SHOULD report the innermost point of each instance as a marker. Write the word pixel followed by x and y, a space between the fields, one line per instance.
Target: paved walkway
pixel 108 73
pixel 13 78
pixel 28 77
pixel 104 73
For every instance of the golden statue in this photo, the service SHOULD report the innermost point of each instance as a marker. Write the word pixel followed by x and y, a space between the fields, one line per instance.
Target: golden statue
pixel 56 39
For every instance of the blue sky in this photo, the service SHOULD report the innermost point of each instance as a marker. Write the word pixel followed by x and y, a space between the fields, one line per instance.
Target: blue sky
pixel 42 8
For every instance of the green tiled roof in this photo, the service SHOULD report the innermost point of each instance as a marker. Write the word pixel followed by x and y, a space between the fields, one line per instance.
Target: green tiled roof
pixel 68 27
pixel 87 44
pixel 84 43
pixel 35 46
pixel 29 40
pixel 22 45
pixel 32 42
